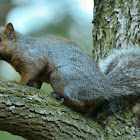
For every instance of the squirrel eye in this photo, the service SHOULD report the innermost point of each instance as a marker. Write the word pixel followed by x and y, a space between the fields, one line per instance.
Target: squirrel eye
pixel 0 39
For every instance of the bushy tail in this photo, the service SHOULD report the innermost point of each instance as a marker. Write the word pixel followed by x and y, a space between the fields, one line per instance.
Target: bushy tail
pixel 122 70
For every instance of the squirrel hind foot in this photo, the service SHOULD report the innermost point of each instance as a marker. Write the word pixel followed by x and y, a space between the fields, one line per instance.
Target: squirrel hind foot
pixel 57 97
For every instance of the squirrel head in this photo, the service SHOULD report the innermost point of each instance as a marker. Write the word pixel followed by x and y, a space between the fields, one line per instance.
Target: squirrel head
pixel 7 40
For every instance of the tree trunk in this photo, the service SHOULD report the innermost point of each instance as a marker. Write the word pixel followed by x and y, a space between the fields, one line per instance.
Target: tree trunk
pixel 116 24
pixel 32 114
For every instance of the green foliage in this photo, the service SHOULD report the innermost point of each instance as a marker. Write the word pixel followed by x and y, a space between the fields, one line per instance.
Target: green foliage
pixel 7 136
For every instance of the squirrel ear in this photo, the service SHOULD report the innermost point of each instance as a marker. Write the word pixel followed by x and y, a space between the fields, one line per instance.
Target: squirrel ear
pixel 9 31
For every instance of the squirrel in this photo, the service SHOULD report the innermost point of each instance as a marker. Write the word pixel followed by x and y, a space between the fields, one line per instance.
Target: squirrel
pixel 71 72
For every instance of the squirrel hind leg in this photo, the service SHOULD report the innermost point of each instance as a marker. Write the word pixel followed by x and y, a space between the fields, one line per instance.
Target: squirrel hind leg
pixel 69 102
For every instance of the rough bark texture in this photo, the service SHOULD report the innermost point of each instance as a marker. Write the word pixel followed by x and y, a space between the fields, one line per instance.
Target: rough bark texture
pixel 32 114
pixel 116 24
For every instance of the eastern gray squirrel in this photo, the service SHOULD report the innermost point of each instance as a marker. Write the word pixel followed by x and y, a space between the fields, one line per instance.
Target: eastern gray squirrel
pixel 70 71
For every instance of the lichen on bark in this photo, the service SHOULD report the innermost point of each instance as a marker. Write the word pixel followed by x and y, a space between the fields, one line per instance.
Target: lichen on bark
pixel 33 114
pixel 116 24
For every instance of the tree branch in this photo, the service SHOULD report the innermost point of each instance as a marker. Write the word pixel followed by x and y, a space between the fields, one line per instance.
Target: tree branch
pixel 33 114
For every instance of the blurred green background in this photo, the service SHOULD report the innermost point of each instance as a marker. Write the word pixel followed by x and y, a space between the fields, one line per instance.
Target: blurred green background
pixel 64 18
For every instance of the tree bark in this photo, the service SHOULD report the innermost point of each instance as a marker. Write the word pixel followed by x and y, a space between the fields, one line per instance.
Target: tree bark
pixel 33 114
pixel 116 24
